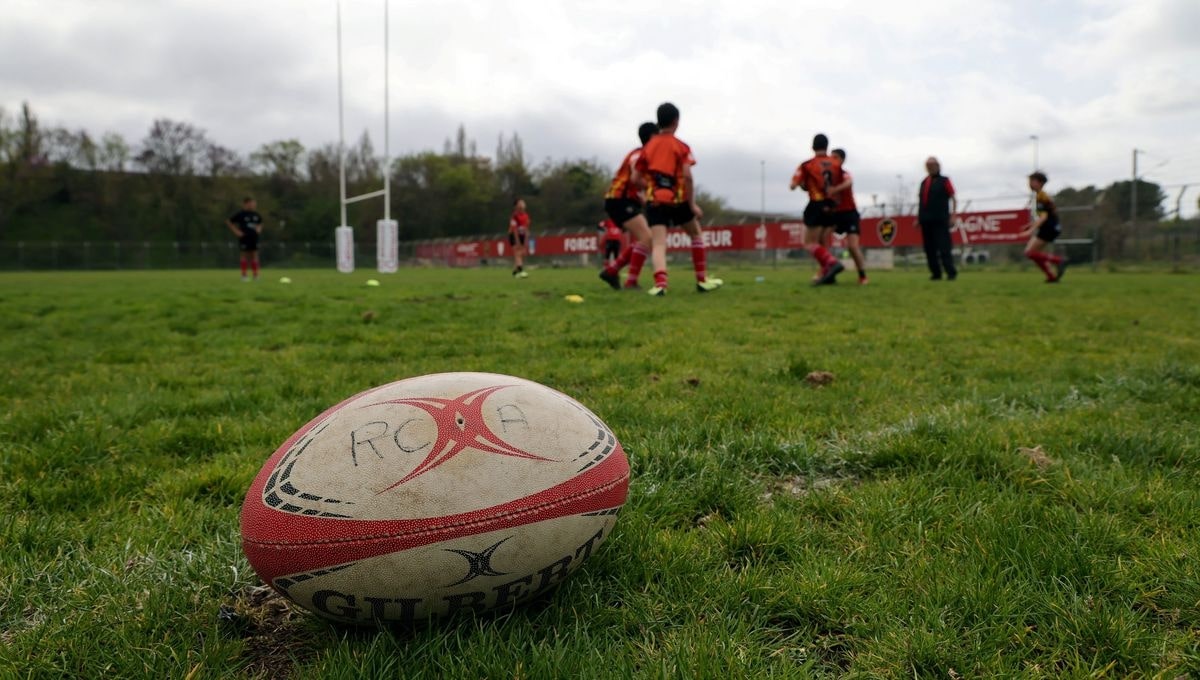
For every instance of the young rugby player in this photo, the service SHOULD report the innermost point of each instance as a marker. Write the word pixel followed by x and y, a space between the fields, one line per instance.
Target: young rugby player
pixel 666 163
pixel 611 237
pixel 623 205
pixel 816 176
pixel 518 237
pixel 846 218
pixel 1043 231
pixel 246 224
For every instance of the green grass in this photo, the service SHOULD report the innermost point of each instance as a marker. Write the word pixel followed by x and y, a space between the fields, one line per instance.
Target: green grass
pixel 892 524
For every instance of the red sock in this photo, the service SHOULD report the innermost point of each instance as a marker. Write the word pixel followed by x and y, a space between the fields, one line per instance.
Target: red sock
pixel 821 255
pixel 699 258
pixel 637 258
pixel 244 266
pixel 1053 259
pixel 623 259
pixel 660 279
pixel 254 267
pixel 1042 261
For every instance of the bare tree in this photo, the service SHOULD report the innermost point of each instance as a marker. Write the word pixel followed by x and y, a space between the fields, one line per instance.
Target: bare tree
pixel 173 148
pixel 280 159
pixel 114 152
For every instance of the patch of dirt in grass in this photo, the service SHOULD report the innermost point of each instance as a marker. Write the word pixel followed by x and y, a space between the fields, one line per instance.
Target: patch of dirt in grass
pixel 30 618
pixel 1037 457
pixel 819 378
pixel 271 628
pixel 541 294
pixel 801 638
pixel 797 486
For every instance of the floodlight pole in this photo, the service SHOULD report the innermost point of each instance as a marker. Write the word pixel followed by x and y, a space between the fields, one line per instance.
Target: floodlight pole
pixel 1133 187
pixel 762 215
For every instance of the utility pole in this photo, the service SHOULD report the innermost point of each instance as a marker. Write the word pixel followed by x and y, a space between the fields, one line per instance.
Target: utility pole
pixel 1133 201
pixel 762 216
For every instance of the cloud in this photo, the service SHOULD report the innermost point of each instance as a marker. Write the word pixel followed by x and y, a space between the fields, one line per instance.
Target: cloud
pixel 969 80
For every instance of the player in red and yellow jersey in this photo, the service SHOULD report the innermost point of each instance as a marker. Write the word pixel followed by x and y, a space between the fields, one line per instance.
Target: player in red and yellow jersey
pixel 518 237
pixel 846 218
pixel 666 163
pixel 816 176
pixel 1044 230
pixel 623 204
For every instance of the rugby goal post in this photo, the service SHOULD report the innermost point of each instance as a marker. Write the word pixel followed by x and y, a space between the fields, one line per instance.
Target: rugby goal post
pixel 387 243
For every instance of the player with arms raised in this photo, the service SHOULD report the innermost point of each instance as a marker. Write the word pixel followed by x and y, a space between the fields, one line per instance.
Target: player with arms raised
pixel 666 163
pixel 623 205
pixel 816 175
pixel 1043 231
pixel 246 224
pixel 518 237
pixel 846 218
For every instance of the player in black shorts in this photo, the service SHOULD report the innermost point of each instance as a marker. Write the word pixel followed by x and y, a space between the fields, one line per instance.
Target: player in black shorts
pixel 518 237
pixel 612 236
pixel 623 205
pixel 246 224
pixel 846 218
pixel 816 176
pixel 1043 231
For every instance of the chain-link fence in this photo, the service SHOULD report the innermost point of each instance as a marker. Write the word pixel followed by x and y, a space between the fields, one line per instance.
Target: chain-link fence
pixel 1174 245
pixel 114 255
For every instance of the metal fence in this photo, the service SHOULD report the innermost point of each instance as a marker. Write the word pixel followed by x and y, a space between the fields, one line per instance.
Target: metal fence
pixel 1175 246
pixel 114 255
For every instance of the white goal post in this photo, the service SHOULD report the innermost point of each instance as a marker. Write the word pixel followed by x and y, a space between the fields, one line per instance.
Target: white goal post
pixel 387 256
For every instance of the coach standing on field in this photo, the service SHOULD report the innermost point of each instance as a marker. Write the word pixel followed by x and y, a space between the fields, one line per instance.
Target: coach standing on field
pixel 936 213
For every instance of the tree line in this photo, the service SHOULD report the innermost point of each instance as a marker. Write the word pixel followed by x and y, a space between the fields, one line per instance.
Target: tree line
pixel 178 184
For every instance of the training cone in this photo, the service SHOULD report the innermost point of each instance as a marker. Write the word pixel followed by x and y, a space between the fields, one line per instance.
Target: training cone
pixel 372 282
pixel 574 298
pixel 284 279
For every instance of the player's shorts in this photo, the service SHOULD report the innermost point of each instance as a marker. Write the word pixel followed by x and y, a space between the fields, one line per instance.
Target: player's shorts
pixel 1049 231
pixel 612 248
pixel 248 243
pixel 515 237
pixel 669 214
pixel 820 213
pixel 621 210
pixel 846 222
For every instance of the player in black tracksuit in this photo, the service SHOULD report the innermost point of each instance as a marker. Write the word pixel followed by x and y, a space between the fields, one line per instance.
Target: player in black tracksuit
pixel 936 215
pixel 246 224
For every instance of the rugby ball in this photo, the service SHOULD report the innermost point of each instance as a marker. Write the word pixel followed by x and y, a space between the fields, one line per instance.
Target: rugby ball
pixel 434 495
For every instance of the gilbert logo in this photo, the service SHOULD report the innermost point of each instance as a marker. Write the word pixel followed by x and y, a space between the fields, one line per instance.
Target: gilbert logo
pixel 887 230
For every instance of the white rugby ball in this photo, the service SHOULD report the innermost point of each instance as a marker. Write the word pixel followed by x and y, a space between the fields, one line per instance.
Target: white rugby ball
pixel 424 497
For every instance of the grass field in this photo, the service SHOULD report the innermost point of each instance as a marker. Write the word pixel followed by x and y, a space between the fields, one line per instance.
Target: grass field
pixel 1003 478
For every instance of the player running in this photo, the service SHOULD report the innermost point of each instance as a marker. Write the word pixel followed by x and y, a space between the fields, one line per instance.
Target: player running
pixel 816 176
pixel 846 218
pixel 666 163
pixel 623 204
pixel 611 238
pixel 1043 231
pixel 518 237
pixel 246 224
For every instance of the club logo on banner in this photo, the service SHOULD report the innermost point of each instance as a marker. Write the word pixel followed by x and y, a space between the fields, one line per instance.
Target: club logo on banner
pixel 887 230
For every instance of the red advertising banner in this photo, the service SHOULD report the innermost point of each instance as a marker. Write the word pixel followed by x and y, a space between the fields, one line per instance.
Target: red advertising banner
pixel 975 228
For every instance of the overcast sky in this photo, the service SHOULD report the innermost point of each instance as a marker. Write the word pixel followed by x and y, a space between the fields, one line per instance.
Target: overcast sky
pixel 967 80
